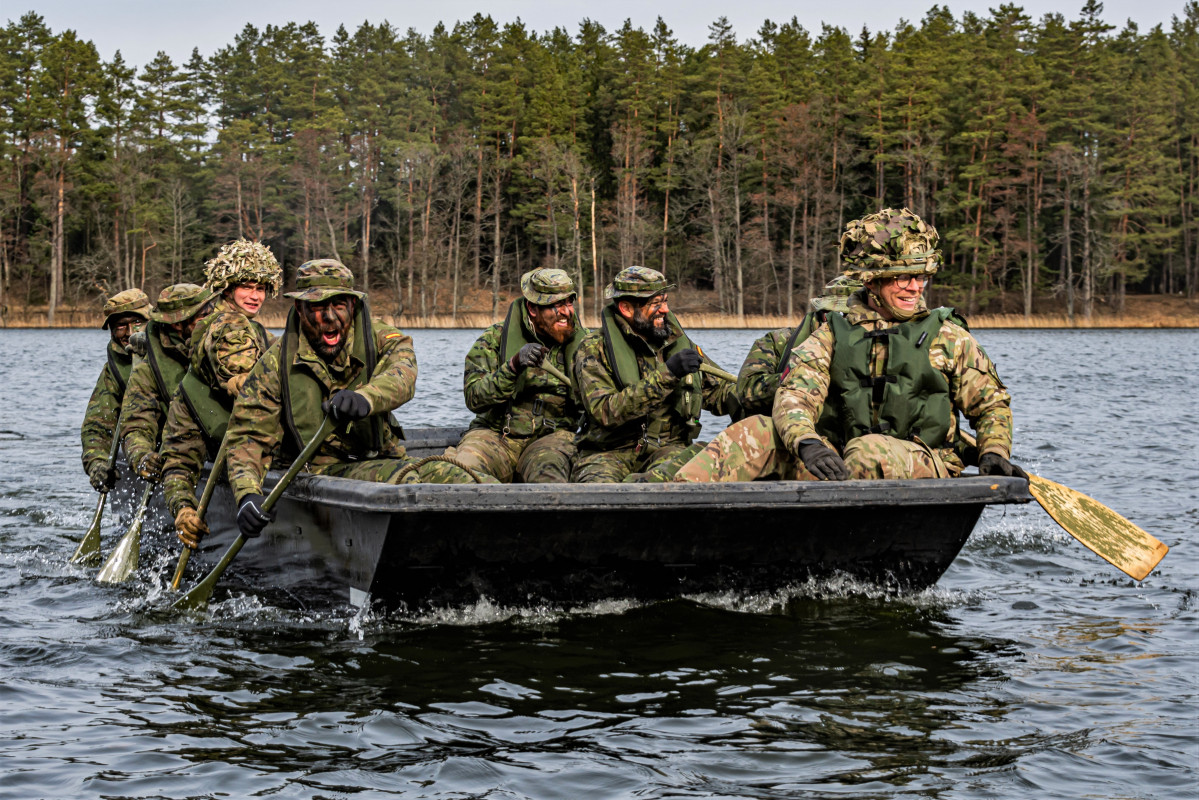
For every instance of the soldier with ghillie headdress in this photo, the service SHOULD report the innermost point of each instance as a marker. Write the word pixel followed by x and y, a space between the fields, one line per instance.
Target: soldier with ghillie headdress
pixel 526 418
pixel 640 382
pixel 225 346
pixel 124 313
pixel 875 392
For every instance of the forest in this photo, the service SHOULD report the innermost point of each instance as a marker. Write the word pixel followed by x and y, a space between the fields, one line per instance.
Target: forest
pixel 1058 159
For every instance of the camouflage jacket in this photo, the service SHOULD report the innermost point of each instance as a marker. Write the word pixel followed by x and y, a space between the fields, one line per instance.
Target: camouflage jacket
pixel 617 418
pixel 974 385
pixel 762 370
pixel 256 429
pixel 144 410
pixel 103 411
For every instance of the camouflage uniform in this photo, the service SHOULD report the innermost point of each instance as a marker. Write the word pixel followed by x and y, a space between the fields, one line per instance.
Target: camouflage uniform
pixel 615 444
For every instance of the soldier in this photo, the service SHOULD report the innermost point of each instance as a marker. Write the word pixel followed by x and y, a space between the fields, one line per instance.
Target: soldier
pixel 637 377
pixel 124 313
pixel 331 359
pixel 763 368
pixel 224 348
pixel 527 418
pixel 155 378
pixel 875 393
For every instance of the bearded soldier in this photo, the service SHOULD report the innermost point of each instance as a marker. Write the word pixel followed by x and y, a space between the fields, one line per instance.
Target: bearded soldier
pixel 156 377
pixel 875 392
pixel 124 313
pixel 225 346
pixel 527 418
pixel 640 382
pixel 333 358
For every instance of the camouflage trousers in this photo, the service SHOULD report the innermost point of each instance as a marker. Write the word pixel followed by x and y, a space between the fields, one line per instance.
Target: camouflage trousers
pixel 629 466
pixel 387 470
pixel 544 459
pixel 751 450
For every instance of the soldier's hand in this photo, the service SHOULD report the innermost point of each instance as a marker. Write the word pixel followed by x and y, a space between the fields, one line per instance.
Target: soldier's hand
pixel 190 527
pixel 995 464
pixel 531 355
pixel 684 362
pixel 150 467
pixel 235 383
pixel 137 344
pixel 346 406
pixel 251 519
pixel 822 461
pixel 102 476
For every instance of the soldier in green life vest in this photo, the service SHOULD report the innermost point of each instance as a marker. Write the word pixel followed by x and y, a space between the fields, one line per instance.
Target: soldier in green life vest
pixel 124 313
pixel 639 380
pixel 875 392
pixel 526 418
pixel 762 371
pixel 156 377
pixel 225 346
pixel 332 358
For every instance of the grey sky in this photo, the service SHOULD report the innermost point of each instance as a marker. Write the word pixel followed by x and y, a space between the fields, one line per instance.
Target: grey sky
pixel 140 28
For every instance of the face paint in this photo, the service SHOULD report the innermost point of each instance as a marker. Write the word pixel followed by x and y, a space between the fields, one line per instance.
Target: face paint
pixel 120 328
pixel 326 324
pixel 649 320
pixel 555 322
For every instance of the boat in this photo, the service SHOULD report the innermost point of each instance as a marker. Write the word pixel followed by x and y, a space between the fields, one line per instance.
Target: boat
pixel 418 546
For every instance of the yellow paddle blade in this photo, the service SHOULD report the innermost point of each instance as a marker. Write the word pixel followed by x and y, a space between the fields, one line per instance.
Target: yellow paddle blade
pixel 1111 536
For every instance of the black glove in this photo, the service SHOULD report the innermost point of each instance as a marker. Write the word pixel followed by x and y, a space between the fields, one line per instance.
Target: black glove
pixel 137 344
pixel 346 406
pixel 150 467
pixel 995 464
pixel 822 462
pixel 684 362
pixel 531 355
pixel 102 476
pixel 251 519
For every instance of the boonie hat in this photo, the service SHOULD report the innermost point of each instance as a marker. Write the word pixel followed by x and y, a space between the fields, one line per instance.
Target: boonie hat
pixel 636 282
pixel 243 261
pixel 130 301
pixel 888 244
pixel 835 296
pixel 179 302
pixel 545 286
pixel 322 278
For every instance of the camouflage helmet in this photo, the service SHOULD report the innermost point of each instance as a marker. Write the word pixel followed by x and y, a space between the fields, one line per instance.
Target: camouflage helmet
pixel 835 296
pixel 130 301
pixel 636 282
pixel 243 261
pixel 179 302
pixel 322 278
pixel 544 287
pixel 888 244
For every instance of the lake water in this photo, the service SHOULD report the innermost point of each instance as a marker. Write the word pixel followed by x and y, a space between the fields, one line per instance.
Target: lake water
pixel 1033 669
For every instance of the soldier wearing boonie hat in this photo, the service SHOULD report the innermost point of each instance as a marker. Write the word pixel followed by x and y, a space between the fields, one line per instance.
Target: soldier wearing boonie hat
pixel 875 392
pixel 526 416
pixel 640 382
pixel 124 313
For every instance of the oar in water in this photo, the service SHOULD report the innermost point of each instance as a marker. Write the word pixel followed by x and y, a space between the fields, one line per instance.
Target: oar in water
pixel 88 552
pixel 198 597
pixel 123 561
pixel 218 464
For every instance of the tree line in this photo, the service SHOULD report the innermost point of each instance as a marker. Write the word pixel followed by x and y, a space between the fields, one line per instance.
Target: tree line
pixel 1058 159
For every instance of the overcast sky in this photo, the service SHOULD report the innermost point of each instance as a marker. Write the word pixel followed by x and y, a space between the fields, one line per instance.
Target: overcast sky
pixel 140 28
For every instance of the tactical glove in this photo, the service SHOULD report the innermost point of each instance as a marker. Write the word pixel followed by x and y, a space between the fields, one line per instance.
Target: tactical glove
pixel 346 406
pixel 995 464
pixel 191 528
pixel 684 362
pixel 137 344
pixel 531 355
pixel 235 383
pixel 150 467
pixel 823 462
pixel 251 519
pixel 102 476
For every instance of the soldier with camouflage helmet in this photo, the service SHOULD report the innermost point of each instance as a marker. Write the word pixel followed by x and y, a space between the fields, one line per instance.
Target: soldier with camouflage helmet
pixel 124 313
pixel 875 392
pixel 526 418
pixel 332 359
pixel 224 348
pixel 639 380
pixel 156 377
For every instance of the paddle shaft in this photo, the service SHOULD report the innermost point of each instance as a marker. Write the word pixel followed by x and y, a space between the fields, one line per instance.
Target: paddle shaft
pixel 89 545
pixel 717 372
pixel 557 373
pixel 205 497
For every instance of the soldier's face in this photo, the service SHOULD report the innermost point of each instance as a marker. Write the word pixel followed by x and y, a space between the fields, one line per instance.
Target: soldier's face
pixel 900 294
pixel 122 327
pixel 556 321
pixel 247 296
pixel 648 320
pixel 327 323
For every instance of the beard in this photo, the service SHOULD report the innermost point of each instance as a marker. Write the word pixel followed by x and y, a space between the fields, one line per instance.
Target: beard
pixel 549 330
pixel 654 329
pixel 326 328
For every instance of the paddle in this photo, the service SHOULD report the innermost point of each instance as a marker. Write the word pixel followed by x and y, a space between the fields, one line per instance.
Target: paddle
pixel 88 552
pixel 718 372
pixel 123 561
pixel 205 497
pixel 198 597
pixel 1099 529
pixel 557 373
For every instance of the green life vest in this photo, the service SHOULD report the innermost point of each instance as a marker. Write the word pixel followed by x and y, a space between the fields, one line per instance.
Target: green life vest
pixel 911 396
pixel 686 401
pixel 802 331
pixel 211 406
pixel 120 366
pixel 168 366
pixel 303 393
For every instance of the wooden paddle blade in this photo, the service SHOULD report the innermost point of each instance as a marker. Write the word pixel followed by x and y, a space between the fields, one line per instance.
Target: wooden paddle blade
pixel 1111 536
pixel 199 595
pixel 123 561
pixel 88 551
